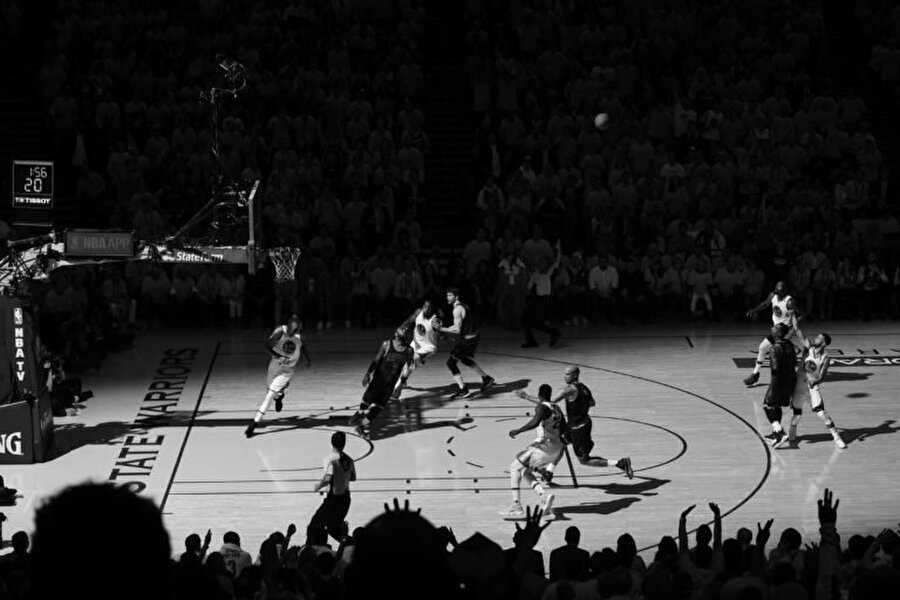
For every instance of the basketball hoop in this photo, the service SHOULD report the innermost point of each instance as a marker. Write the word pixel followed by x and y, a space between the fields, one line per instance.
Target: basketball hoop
pixel 285 260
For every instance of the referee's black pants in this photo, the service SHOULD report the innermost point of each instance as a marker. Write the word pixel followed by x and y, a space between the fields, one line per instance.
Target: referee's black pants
pixel 331 515
pixel 537 317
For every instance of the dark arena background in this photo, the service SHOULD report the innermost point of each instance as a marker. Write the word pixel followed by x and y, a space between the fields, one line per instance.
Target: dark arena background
pixel 637 188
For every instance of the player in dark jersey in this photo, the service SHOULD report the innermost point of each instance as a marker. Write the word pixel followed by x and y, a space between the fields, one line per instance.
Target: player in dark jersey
pixel 578 400
pixel 465 330
pixel 784 378
pixel 381 378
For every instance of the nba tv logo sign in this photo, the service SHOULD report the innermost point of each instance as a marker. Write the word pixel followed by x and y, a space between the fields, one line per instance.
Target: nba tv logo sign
pixel 11 443
pixel 19 343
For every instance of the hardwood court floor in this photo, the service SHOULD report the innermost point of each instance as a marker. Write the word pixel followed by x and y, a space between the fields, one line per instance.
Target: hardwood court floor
pixel 169 417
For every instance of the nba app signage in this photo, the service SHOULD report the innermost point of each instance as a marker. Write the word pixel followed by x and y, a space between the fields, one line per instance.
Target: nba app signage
pixel 19 344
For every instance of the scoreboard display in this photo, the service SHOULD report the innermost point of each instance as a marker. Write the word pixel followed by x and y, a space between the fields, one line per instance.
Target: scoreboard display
pixel 32 184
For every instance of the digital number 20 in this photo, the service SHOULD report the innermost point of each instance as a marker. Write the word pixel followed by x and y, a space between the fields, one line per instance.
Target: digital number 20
pixel 34 185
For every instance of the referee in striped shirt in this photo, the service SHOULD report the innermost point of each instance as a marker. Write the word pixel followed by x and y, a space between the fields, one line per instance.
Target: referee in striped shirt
pixel 538 301
pixel 339 472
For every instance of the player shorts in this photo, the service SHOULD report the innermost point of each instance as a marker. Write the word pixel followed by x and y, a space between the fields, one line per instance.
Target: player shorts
pixel 804 394
pixel 540 454
pixel 279 376
pixel 780 391
pixel 580 437
pixel 379 391
pixel 465 347
pixel 422 351
pixel 791 336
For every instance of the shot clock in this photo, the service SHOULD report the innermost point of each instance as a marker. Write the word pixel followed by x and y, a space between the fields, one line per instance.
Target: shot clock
pixel 32 184
pixel 32 192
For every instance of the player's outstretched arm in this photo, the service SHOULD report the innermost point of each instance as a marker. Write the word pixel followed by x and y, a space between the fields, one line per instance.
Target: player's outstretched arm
pixel 795 324
pixel 762 305
pixel 526 396
pixel 532 424
pixel 565 393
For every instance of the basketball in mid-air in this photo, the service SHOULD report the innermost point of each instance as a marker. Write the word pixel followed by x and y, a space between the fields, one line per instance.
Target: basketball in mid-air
pixel 601 121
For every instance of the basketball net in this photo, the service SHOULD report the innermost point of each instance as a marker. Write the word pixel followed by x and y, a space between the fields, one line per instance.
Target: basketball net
pixel 285 260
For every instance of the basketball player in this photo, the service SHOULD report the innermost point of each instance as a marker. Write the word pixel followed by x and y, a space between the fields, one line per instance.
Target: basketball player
pixel 783 365
pixel 286 346
pixel 813 366
pixel 381 378
pixel 783 311
pixel 578 401
pixel 339 472
pixel 423 323
pixel 545 450
pixel 465 330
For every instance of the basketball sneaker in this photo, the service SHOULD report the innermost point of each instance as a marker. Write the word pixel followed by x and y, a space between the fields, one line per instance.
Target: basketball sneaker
pixel 554 338
pixel 780 439
pixel 362 432
pixel 547 508
pixel 625 465
pixel 751 378
pixel 514 511
pixel 250 429
pixel 459 393
pixel 279 403
pixel 487 382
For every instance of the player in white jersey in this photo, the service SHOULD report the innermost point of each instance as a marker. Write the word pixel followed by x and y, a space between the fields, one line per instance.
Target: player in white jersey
pixel 784 310
pixel 286 346
pixel 546 449
pixel 810 373
pixel 424 324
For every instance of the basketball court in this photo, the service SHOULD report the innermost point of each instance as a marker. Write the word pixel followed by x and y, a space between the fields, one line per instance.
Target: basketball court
pixel 168 418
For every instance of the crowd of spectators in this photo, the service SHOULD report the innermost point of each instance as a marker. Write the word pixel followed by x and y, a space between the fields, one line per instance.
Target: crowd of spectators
pixel 400 554
pixel 880 25
pixel 729 161
pixel 328 121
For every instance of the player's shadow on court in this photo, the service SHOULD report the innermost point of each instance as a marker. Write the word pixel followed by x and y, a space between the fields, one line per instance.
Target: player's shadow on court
pixel 596 508
pixel 846 376
pixel 71 436
pixel 858 434
pixel 640 487
pixel 645 487
pixel 436 397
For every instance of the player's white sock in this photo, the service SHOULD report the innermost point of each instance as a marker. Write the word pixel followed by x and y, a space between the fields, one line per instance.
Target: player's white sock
pixel 825 418
pixel 459 381
pixel 550 468
pixel 515 478
pixel 261 411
